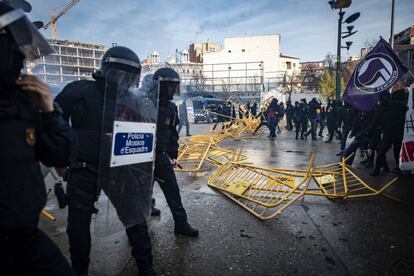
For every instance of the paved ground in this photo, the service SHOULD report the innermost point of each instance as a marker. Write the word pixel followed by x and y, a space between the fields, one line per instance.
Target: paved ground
pixel 373 236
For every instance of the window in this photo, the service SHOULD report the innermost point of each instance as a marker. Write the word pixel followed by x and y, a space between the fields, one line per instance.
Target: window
pixel 289 65
pixel 212 50
pixel 229 51
pixel 294 65
pixel 243 50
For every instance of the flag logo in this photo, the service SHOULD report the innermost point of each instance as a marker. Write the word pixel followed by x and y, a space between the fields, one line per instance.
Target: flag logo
pixel 376 73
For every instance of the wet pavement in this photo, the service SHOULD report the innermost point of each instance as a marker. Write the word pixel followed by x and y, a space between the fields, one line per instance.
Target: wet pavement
pixel 370 236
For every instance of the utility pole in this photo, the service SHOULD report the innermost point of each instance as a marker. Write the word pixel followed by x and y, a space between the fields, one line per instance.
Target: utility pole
pixel 338 55
pixel 392 24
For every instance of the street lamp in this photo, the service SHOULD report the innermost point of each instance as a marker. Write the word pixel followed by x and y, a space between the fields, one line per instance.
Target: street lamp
pixel 339 5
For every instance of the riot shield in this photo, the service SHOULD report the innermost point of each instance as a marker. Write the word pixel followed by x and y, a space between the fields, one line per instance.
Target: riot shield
pixel 126 165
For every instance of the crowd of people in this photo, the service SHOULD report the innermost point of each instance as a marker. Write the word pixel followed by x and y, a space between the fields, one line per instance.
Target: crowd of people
pixel 373 133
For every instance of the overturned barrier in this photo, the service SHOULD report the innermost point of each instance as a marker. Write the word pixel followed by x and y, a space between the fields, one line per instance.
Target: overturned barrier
pixel 262 192
pixel 202 152
pixel 267 192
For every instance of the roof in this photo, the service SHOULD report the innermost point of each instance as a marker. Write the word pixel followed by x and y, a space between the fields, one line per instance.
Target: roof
pixel 285 56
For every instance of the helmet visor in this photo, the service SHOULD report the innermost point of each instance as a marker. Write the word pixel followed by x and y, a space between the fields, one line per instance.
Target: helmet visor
pixel 26 36
pixel 170 88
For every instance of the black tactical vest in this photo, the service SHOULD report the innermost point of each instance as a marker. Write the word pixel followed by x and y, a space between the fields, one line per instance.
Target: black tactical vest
pixel 167 119
pixel 22 190
pixel 85 116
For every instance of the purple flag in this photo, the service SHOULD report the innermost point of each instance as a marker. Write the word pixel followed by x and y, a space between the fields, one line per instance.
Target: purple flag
pixel 376 73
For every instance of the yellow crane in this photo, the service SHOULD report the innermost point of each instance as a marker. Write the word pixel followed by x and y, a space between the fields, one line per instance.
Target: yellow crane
pixel 55 17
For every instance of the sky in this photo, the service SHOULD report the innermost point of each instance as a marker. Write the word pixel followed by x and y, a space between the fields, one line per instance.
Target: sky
pixel 308 28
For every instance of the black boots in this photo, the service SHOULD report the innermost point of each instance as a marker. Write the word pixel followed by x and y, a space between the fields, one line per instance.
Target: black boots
pixel 141 249
pixel 155 212
pixel 376 170
pixel 185 229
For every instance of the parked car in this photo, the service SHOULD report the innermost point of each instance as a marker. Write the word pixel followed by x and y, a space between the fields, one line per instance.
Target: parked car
pixel 202 108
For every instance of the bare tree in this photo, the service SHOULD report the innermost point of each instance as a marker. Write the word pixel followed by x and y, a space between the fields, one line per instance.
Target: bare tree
pixel 291 83
pixel 311 76
pixel 330 62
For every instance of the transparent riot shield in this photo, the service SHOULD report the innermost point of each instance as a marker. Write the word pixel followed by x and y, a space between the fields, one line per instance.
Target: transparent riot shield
pixel 127 147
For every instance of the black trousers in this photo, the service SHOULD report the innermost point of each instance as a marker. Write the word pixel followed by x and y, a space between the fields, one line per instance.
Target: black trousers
pixel 187 127
pixel 289 123
pixel 388 140
pixel 322 124
pixel 82 190
pixel 262 123
pixel 301 126
pixel 272 127
pixel 331 129
pixel 169 186
pixel 312 130
pixel 31 253
pixel 345 132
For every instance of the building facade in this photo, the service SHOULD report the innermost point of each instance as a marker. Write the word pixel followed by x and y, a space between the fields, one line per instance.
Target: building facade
pixel 404 47
pixel 248 66
pixel 71 61
pixel 197 50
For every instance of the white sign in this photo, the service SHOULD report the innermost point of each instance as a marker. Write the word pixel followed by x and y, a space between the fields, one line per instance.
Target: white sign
pixel 407 147
pixel 132 143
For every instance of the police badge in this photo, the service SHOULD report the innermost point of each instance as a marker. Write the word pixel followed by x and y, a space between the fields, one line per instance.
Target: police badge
pixel 31 136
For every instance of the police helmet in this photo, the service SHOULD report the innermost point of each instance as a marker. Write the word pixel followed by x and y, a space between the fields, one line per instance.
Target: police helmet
pixel 121 58
pixel 169 82
pixel 19 39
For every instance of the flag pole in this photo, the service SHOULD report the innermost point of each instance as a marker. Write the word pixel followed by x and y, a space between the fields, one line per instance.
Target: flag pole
pixel 392 24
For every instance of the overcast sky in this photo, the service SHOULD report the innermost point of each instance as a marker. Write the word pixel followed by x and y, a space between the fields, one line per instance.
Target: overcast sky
pixel 308 27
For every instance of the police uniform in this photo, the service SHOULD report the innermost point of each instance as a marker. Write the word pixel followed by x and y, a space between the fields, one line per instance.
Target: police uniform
pixel 82 103
pixel 167 149
pixel 27 137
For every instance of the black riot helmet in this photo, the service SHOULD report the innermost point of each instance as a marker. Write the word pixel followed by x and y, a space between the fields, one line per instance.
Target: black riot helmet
pixel 121 58
pixel 19 39
pixel 168 81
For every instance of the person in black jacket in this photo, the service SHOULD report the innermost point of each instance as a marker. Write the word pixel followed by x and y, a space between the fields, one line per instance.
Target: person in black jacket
pixel 32 131
pixel 167 149
pixel 347 117
pixel 289 115
pixel 390 119
pixel 272 114
pixel 322 119
pixel 332 119
pixel 301 118
pixel 313 117
pixel 280 116
pixel 362 133
pixel 83 103
pixel 254 109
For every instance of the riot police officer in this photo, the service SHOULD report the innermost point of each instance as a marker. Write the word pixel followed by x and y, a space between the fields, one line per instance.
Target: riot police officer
pixel 83 103
pixel 32 130
pixel 167 149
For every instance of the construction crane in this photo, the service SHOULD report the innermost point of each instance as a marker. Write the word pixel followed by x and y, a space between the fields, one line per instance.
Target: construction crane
pixel 55 17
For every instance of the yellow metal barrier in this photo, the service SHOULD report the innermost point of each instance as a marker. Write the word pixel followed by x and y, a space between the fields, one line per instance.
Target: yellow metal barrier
pixel 266 192
pixel 263 193
pixel 48 215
